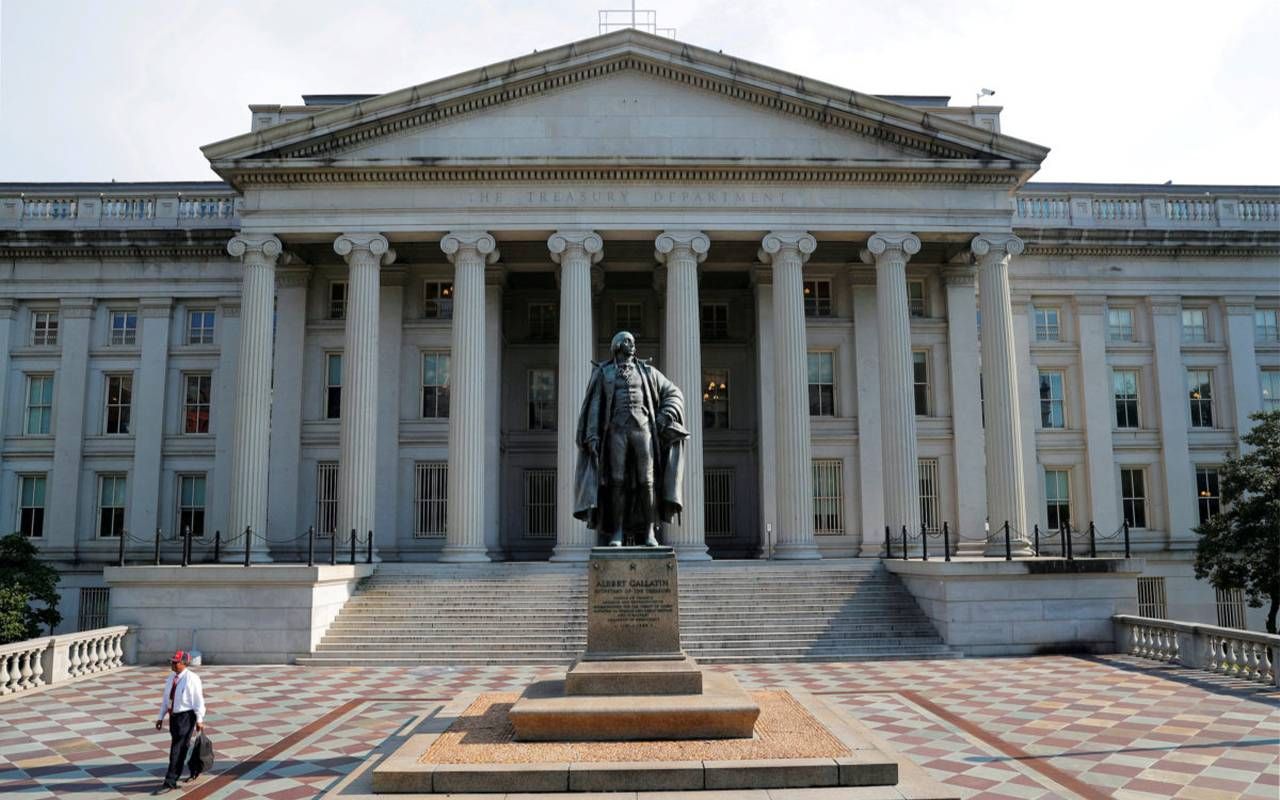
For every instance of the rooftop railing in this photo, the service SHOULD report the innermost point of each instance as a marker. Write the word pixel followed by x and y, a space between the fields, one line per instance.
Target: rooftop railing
pixel 37 210
pixel 1069 208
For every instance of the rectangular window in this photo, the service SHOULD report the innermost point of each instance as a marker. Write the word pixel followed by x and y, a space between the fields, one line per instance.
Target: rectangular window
pixel 915 299
pixel 430 499
pixel 544 323
pixel 1270 380
pixel 1266 327
pixel 337 300
pixel 828 496
pixel 1047 327
pixel 718 491
pixel 31 492
pixel 1124 390
pixel 1200 397
pixel 920 381
pixel 435 385
pixel 195 405
pixel 1194 328
pixel 1057 493
pixel 1208 495
pixel 817 298
pixel 327 498
pixel 119 403
pixel 629 317
pixel 200 326
pixel 715 320
pixel 1120 324
pixel 822 384
pixel 191 491
pixel 39 414
pixel 542 400
pixel 111 505
pixel 333 385
pixel 437 300
pixel 1052 411
pixel 715 399
pixel 540 504
pixel 1151 599
pixel 44 328
pixel 929 494
pixel 95 602
pixel 1133 496
pixel 1230 608
pixel 124 328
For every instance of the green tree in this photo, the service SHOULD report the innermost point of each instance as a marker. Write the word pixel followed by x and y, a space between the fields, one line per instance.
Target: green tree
pixel 1240 547
pixel 29 601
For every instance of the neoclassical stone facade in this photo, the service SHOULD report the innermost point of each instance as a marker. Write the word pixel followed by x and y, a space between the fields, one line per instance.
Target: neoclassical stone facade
pixel 383 320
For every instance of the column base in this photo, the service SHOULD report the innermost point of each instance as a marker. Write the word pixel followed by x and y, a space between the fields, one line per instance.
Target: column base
pixel 691 552
pixel 464 554
pixel 571 553
pixel 796 551
pixel 1019 548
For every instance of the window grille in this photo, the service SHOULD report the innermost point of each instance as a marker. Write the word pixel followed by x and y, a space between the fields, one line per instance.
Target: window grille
pixel 430 499
pixel 929 494
pixel 95 602
pixel 822 386
pixel 1124 388
pixel 718 502
pixel 715 399
pixel 715 320
pixel 1151 600
pixel 544 322
pixel 916 299
pixel 437 300
pixel 435 385
pixel 539 504
pixel 1194 328
pixel 1048 328
pixel 629 317
pixel 200 326
pixel 1052 410
pixel 44 328
pixel 1133 496
pixel 817 298
pixel 542 399
pixel 39 415
pixel 1200 397
pixel 1208 495
pixel 1231 608
pixel 31 505
pixel 327 498
pixel 828 496
pixel 111 505
pixel 920 381
pixel 1120 324
pixel 195 409
pixel 337 300
pixel 124 328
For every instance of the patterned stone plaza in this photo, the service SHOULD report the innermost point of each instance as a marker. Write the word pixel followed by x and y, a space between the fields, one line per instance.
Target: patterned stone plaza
pixel 1047 727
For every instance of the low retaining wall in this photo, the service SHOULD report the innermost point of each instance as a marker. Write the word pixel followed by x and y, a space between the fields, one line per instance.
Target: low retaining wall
pixel 264 614
pixel 1226 651
pixel 992 607
pixel 54 660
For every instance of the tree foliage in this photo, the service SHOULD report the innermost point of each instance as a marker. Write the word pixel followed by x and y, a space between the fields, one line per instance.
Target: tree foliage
pixel 1240 547
pixel 28 591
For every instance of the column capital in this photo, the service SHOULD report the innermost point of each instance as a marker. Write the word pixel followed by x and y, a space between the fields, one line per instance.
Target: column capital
pixel 562 242
pixel 265 247
pixel 890 245
pixel 478 242
pixel 352 245
pixel 76 307
pixel 776 243
pixel 668 243
pixel 988 246
pixel 959 275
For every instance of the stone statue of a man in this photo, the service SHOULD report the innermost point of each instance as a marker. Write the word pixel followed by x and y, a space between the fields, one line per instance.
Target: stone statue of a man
pixel 630 439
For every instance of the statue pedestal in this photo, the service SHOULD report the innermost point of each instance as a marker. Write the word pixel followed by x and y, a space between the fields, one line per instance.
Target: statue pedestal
pixel 634 682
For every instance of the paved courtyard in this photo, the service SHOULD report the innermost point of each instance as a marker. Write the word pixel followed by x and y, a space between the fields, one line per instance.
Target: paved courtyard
pixel 1048 727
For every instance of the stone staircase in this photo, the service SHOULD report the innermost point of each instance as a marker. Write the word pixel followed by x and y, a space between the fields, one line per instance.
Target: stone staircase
pixel 730 612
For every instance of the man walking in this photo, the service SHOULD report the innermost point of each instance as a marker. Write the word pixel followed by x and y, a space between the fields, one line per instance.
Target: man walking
pixel 184 703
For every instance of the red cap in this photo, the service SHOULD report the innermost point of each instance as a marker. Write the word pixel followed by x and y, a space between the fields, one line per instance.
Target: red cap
pixel 180 657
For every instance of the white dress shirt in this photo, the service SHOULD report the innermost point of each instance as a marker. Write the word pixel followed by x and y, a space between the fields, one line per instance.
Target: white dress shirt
pixel 188 697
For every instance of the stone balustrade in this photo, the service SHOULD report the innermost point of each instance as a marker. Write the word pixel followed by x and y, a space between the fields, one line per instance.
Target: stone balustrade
pixel 1225 651
pixel 52 660
pixel 210 206
pixel 1066 206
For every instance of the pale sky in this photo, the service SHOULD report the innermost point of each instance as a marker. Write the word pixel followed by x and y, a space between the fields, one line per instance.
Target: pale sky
pixel 1121 90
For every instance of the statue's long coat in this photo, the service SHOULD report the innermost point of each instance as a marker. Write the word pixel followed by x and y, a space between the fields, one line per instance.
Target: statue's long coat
pixel 661 397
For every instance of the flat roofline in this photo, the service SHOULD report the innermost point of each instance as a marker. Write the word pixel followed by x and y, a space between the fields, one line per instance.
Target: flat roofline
pixel 118 186
pixel 1149 188
pixel 334 99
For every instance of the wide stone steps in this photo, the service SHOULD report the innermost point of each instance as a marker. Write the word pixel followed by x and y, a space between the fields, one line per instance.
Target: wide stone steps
pixel 526 614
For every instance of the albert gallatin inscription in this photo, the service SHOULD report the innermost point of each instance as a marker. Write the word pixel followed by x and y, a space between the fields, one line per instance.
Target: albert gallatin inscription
pixel 632 603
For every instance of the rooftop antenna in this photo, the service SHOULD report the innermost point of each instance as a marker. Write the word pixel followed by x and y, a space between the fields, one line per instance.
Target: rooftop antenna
pixel 641 19
pixel 981 94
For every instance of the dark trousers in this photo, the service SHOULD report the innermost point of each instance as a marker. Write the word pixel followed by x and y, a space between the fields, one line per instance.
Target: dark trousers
pixel 180 727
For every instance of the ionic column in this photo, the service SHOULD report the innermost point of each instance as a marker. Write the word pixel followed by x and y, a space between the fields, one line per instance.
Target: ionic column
pixel 469 252
pixel 1006 488
pixel 575 252
pixel 889 253
pixel 681 252
pixel 251 440
pixel 786 252
pixel 365 253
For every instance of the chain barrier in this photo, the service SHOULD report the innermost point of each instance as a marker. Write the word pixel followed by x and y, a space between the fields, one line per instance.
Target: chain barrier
pixel 190 543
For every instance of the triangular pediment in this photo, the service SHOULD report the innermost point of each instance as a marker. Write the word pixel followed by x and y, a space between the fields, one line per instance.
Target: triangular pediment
pixel 622 97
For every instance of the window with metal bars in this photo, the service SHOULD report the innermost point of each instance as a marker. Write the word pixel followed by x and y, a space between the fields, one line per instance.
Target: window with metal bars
pixel 1151 598
pixel 718 502
pixel 1231 613
pixel 916 299
pixel 715 399
pixel 929 494
pixel 124 328
pixel 430 499
pixel 828 496
pixel 817 298
pixel 326 498
pixel 539 504
pixel 437 300
pixel 1048 327
pixel 1266 325
pixel 44 328
pixel 95 605
pixel 544 322
pixel 337 300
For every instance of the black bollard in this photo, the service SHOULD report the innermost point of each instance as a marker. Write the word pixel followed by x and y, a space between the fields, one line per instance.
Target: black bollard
pixel 311 546
pixel 1126 540
pixel 904 542
pixel 333 549
pixel 1036 530
pixel 217 547
pixel 946 541
pixel 1093 540
pixel 157 547
pixel 1062 538
pixel 368 559
pixel 186 545
pixel 120 560
pixel 1071 548
pixel 888 543
pixel 1008 545
pixel 353 545
pixel 248 544
pixel 924 543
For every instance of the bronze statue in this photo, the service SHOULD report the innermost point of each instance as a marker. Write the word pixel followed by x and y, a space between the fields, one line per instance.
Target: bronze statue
pixel 630 439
